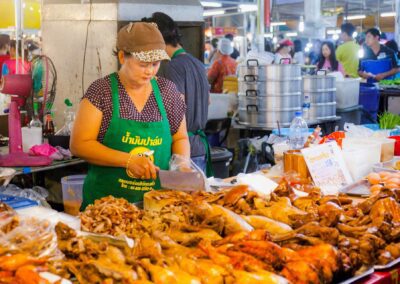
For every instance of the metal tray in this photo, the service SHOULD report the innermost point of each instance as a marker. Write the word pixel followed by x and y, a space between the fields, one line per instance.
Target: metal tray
pixel 360 189
pixel 387 266
pixel 358 277
pixel 386 166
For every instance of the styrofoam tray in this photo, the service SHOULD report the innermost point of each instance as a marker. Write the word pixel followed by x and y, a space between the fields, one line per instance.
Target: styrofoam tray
pixel 386 166
pixel 387 266
pixel 360 189
pixel 358 277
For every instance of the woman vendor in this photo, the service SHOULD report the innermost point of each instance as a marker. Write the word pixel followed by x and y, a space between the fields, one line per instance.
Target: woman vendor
pixel 130 122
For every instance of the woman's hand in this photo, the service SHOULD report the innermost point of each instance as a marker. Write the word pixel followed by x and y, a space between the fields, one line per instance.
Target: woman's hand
pixel 142 167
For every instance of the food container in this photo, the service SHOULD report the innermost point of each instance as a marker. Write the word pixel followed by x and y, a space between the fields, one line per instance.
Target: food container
pixel 322 110
pixel 320 97
pixel 387 148
pixel 252 115
pixel 252 70
pixel 293 160
pixel 265 88
pixel 390 166
pixel 72 193
pixel 360 156
pixel 221 105
pixel 318 83
pixel 396 145
pixel 270 103
pixel 347 92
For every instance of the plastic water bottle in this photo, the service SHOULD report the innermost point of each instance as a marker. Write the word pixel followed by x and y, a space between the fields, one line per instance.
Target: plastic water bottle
pixel 298 132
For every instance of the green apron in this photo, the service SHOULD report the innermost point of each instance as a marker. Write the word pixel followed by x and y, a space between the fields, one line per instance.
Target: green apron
pixel 203 136
pixel 137 138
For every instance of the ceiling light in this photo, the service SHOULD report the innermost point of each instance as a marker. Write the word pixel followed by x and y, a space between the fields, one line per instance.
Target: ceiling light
pixel 291 34
pixel 211 4
pixel 247 8
pixel 278 24
pixel 301 24
pixel 388 14
pixel 355 17
pixel 208 13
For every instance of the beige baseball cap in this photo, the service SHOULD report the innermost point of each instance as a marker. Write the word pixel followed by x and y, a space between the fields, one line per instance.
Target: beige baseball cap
pixel 142 40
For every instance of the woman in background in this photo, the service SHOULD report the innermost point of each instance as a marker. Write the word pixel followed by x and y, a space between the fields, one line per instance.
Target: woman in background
pixel 10 65
pixel 328 59
pixel 298 56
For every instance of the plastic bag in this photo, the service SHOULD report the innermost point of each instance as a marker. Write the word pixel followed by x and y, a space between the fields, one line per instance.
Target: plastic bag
pixel 45 150
pixel 32 236
pixel 181 164
pixel 36 193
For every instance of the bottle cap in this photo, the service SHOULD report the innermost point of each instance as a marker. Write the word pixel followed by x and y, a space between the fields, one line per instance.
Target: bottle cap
pixel 298 113
pixel 68 103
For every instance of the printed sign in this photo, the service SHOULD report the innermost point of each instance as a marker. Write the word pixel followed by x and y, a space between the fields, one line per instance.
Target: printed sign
pixel 327 167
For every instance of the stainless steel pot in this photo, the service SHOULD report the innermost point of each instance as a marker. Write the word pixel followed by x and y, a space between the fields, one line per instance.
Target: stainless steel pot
pixel 322 111
pixel 266 88
pixel 320 97
pixel 253 71
pixel 271 103
pixel 252 116
pixel 319 83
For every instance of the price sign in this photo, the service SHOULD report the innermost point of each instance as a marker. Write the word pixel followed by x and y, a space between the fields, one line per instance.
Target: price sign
pixel 327 167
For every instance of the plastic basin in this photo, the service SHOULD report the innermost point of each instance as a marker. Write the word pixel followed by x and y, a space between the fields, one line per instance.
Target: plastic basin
pixel 396 145
pixel 72 193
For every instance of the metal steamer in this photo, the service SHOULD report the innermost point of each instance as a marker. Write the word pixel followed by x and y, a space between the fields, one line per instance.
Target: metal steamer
pixel 320 92
pixel 269 93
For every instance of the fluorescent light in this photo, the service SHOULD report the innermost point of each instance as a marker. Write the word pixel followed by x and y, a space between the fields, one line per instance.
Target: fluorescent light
pixel 274 24
pixel 211 4
pixel 355 17
pixel 388 14
pixel 208 13
pixel 247 8
pixel 269 35
pixel 301 24
pixel 291 34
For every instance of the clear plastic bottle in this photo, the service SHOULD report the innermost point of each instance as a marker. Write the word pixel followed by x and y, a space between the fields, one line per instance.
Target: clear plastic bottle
pixel 35 122
pixel 298 132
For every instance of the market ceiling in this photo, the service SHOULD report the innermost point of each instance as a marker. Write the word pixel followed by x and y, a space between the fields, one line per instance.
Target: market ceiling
pixel 290 9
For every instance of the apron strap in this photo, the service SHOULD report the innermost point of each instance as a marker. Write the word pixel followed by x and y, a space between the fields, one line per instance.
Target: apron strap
pixel 203 138
pixel 114 94
pixel 177 52
pixel 157 95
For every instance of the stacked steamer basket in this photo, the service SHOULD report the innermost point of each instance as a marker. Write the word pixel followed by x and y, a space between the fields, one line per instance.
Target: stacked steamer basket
pixel 269 93
pixel 320 92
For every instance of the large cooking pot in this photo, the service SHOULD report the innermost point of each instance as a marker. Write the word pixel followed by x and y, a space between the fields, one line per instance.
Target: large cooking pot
pixel 320 97
pixel 270 103
pixel 266 88
pixel 253 71
pixel 323 110
pixel 319 83
pixel 253 116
